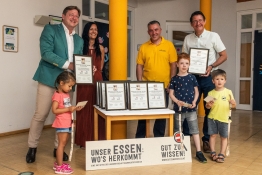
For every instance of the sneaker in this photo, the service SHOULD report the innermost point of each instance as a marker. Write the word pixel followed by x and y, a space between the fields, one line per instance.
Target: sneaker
pixel 55 165
pixel 206 147
pixel 200 156
pixel 63 169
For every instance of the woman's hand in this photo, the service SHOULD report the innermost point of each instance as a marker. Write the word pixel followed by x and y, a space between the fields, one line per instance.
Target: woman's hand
pixel 94 70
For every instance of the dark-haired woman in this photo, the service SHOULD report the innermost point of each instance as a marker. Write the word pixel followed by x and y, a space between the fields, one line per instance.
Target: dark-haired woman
pixel 85 117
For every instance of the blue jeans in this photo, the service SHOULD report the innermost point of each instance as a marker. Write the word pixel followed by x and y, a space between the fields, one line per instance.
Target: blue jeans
pixel 205 85
pixel 159 126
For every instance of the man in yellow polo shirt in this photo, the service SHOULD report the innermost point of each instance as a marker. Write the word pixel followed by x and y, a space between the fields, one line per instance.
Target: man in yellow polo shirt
pixel 156 61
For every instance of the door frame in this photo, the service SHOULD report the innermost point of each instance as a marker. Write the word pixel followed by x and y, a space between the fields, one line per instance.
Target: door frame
pixel 178 26
pixel 238 50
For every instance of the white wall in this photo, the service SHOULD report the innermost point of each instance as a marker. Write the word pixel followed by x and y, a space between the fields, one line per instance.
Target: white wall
pixel 179 10
pixel 224 22
pixel 18 90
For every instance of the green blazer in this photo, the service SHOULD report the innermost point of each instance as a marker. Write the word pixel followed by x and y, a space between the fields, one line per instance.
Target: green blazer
pixel 54 53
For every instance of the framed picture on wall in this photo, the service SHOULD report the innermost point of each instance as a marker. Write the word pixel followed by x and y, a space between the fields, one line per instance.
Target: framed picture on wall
pixel 10 39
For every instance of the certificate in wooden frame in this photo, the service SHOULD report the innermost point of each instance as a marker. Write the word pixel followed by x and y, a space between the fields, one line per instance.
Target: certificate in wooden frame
pixel 156 95
pixel 10 39
pixel 115 93
pixel 198 60
pixel 83 67
pixel 138 96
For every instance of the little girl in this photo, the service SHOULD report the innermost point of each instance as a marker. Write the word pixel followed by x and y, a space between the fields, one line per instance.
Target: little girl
pixel 62 108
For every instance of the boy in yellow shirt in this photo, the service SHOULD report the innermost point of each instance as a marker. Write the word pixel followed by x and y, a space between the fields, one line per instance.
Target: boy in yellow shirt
pixel 219 113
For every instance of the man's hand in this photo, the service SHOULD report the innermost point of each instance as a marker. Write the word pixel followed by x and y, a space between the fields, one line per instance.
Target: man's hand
pixel 167 88
pixel 71 66
pixel 208 71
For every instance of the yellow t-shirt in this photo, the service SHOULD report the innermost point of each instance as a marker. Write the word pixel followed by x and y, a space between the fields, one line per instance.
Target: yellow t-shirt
pixel 156 60
pixel 220 109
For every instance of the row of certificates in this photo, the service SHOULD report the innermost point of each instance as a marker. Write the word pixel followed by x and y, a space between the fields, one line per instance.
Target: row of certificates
pixel 132 95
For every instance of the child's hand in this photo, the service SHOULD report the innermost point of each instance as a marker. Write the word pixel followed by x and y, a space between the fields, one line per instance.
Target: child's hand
pixel 180 103
pixel 72 108
pixel 193 104
pixel 210 104
pixel 233 103
pixel 78 108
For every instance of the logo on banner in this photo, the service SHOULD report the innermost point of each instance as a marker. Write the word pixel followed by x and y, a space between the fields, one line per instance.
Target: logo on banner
pixel 177 137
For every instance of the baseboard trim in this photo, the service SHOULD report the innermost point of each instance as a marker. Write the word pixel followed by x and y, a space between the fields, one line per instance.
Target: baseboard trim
pixel 20 131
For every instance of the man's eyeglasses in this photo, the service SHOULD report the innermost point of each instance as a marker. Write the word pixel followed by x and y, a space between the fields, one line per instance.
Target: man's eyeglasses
pixel 198 21
pixel 74 16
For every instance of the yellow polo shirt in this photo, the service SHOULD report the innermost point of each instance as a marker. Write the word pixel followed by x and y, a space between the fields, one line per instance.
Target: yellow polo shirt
pixel 220 109
pixel 156 60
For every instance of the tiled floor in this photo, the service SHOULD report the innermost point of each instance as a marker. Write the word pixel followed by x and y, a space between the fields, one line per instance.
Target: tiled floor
pixel 245 157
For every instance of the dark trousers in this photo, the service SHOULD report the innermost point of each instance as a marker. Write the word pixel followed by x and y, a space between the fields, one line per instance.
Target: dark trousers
pixel 159 126
pixel 205 85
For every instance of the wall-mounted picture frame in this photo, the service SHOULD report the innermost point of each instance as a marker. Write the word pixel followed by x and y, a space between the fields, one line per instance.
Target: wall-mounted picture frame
pixel 83 67
pixel 10 38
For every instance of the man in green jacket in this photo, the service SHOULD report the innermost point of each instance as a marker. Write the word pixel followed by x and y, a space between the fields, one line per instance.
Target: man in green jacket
pixel 58 43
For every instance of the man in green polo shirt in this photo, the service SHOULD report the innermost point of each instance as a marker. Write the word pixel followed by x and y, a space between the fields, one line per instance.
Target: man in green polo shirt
pixel 156 61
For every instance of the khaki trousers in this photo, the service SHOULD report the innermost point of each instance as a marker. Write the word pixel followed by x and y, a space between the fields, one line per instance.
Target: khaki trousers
pixel 43 106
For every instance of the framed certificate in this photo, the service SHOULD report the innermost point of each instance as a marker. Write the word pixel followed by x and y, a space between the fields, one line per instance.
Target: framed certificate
pixel 156 95
pixel 97 93
pixel 138 97
pixel 102 96
pixel 198 60
pixel 83 69
pixel 115 95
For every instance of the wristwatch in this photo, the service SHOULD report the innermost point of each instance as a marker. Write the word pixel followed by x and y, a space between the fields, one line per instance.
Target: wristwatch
pixel 212 66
